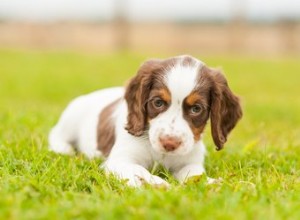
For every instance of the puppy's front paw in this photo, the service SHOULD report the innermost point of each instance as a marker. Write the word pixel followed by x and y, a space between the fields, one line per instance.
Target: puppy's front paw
pixel 135 175
pixel 158 182
pixel 144 180
pixel 214 181
pixel 206 180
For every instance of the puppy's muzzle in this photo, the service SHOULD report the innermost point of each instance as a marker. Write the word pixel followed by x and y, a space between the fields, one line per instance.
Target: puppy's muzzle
pixel 170 143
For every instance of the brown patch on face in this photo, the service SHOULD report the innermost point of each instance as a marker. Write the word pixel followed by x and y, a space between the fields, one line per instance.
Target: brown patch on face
pixel 216 99
pixel 165 94
pixel 196 112
pixel 106 129
pixel 158 95
pixel 193 98
pixel 197 132
pixel 149 77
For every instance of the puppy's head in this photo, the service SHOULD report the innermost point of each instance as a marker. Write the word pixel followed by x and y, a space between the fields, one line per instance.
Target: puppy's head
pixel 171 100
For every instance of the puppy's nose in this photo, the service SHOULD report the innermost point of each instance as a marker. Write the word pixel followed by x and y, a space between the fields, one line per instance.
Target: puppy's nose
pixel 170 143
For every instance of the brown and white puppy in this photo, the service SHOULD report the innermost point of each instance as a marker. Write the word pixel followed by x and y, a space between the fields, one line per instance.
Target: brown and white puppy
pixel 160 116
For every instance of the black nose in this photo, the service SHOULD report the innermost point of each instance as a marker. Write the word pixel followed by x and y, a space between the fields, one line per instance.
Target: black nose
pixel 170 143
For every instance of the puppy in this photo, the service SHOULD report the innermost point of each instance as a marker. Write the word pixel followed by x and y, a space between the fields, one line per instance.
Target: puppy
pixel 160 116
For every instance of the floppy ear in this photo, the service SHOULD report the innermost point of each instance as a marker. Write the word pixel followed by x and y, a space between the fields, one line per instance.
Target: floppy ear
pixel 136 95
pixel 225 108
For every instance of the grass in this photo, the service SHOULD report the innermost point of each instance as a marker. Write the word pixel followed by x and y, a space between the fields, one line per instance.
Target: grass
pixel 260 164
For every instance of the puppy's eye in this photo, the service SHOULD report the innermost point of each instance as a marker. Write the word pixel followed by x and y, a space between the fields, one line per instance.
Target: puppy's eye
pixel 196 109
pixel 159 103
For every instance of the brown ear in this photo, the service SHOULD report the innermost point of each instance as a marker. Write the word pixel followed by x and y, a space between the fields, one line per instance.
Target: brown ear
pixel 136 96
pixel 225 108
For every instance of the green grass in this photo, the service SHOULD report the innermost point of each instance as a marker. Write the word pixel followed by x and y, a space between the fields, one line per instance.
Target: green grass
pixel 260 164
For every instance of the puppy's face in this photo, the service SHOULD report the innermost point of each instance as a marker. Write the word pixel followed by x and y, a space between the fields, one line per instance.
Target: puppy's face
pixel 172 99
pixel 177 110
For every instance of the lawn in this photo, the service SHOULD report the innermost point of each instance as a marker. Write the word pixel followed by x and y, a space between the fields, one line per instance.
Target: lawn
pixel 260 164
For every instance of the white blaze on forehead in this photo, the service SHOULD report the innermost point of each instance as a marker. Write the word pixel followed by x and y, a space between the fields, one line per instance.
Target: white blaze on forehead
pixel 181 80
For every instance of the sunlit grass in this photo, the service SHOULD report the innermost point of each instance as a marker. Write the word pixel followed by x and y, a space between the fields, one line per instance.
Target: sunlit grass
pixel 260 164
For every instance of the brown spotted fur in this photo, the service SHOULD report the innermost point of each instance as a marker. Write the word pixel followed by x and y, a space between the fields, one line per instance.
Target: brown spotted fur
pixel 106 129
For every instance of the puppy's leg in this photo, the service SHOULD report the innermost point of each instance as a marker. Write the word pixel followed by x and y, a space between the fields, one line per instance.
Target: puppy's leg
pixel 129 159
pixel 188 171
pixel 193 170
pixel 192 166
pixel 64 133
pixel 59 143
pixel 135 174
